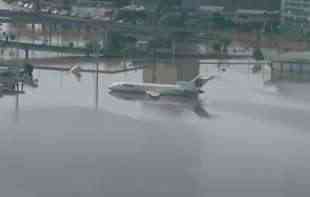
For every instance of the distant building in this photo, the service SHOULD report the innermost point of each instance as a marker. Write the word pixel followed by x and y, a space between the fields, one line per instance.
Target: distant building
pixel 92 3
pixel 296 11
pixel 67 4
pixel 133 7
pixel 244 11
pixel 191 4
pixel 288 65
pixel 211 9
pixel 233 5
pixel 92 9
pixel 163 73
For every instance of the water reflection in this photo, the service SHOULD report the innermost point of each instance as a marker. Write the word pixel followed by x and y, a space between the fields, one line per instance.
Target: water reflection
pixel 166 103
pixel 17 110
pixel 12 82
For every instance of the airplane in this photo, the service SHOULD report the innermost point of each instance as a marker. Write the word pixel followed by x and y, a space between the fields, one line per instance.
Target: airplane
pixel 181 88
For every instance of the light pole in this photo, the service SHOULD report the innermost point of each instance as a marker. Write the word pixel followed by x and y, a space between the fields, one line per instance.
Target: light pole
pixel 96 51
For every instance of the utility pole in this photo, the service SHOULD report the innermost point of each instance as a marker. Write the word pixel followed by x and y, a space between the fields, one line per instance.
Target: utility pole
pixel 96 49
pixel 17 110
pixel 173 43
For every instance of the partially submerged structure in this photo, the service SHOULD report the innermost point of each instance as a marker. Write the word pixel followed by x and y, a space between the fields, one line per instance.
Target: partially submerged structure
pixel 289 65
pixel 13 79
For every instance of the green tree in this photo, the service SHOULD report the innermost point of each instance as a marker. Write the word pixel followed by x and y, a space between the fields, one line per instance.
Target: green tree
pixel 258 54
pixel 132 16
pixel 225 42
pixel 177 19
pixel 92 47
pixel 166 5
pixel 217 48
pixel 163 7
pixel 28 69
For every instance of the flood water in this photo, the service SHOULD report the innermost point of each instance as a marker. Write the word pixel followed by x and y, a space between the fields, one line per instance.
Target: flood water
pixel 244 137
pixel 58 139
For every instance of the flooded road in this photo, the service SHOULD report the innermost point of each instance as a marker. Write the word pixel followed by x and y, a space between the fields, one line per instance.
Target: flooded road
pixel 67 138
pixel 245 136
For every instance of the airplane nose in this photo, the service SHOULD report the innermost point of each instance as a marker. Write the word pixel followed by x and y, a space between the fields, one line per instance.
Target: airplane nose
pixel 111 87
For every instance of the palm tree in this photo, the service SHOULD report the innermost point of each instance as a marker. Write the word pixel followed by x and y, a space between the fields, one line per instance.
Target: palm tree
pixel 225 43
pixel 258 55
pixel 92 47
pixel 217 48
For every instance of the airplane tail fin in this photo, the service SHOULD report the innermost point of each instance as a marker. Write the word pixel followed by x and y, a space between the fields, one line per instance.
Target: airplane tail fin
pixel 200 81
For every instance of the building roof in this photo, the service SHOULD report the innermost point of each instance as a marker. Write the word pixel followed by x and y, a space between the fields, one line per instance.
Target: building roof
pixel 251 12
pixel 255 12
pixel 212 8
pixel 133 8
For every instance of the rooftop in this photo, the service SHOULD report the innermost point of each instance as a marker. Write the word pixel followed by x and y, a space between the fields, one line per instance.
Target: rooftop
pixel 211 8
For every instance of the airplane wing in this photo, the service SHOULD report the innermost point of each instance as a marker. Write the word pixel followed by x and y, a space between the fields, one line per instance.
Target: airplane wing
pixel 75 69
pixel 153 94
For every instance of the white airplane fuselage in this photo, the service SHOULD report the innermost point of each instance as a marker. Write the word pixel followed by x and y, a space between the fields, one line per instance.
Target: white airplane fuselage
pixel 161 89
pixel 181 88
